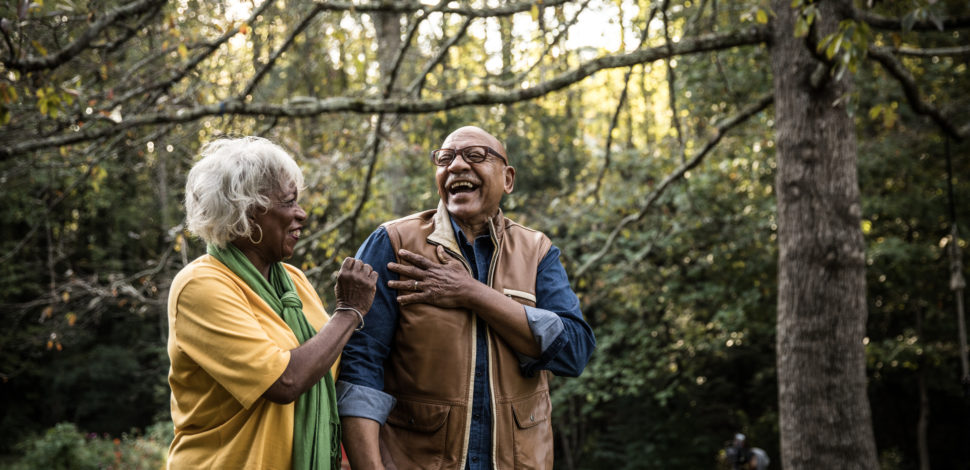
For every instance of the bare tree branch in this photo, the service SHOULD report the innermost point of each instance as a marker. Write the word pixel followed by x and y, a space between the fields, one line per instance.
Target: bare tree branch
pixel 619 107
pixel 50 61
pixel 895 68
pixel 507 9
pixel 957 51
pixel 306 107
pixel 671 87
pixel 280 50
pixel 209 49
pixel 406 44
pixel 414 89
pixel 721 128
pixel 372 147
pixel 896 24
pixel 563 29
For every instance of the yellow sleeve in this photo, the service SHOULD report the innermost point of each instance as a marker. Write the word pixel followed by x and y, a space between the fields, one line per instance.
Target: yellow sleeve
pixel 312 306
pixel 217 326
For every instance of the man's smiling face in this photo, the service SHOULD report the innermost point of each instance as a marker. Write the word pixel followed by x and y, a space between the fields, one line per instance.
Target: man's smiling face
pixel 472 191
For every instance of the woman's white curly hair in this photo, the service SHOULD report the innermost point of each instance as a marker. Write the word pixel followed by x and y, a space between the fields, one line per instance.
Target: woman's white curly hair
pixel 235 177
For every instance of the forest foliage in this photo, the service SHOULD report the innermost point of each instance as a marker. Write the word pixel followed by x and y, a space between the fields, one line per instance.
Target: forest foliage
pixel 643 138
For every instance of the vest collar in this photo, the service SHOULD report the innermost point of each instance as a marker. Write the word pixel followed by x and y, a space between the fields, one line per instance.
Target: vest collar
pixel 444 235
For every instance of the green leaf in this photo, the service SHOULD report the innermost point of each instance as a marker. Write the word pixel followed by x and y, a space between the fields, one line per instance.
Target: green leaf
pixel 834 46
pixel 908 21
pixel 801 27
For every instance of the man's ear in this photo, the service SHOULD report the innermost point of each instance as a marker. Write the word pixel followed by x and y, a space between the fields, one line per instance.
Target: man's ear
pixel 509 179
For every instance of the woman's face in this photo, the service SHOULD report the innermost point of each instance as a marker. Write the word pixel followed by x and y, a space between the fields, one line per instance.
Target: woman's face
pixel 281 223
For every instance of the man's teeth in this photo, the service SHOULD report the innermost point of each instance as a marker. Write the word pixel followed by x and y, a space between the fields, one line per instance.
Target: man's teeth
pixel 462 184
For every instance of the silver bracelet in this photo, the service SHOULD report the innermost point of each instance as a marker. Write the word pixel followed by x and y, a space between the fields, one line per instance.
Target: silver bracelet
pixel 359 315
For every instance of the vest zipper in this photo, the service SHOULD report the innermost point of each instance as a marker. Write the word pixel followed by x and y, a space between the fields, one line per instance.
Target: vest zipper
pixel 471 372
pixel 496 255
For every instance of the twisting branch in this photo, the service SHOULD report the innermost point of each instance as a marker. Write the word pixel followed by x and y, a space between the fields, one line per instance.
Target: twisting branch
pixel 671 87
pixel 957 51
pixel 50 61
pixel 210 48
pixel 507 9
pixel 414 89
pixel 280 50
pixel 562 30
pixel 911 90
pixel 896 24
pixel 373 105
pixel 720 129
pixel 406 44
pixel 619 107
pixel 372 147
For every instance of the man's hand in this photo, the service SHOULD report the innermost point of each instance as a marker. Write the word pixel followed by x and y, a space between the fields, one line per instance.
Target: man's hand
pixel 446 284
pixel 356 285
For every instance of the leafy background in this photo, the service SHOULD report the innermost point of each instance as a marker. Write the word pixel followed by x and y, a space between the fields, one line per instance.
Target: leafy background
pixel 678 280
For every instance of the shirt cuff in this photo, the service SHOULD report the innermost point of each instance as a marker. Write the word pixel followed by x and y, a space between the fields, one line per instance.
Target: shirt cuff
pixel 363 402
pixel 546 326
pixel 547 329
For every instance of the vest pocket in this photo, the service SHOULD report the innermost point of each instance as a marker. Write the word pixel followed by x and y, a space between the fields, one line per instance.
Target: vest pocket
pixel 522 297
pixel 532 434
pixel 416 433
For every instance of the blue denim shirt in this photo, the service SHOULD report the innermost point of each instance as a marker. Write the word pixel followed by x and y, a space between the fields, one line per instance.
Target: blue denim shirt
pixel 565 339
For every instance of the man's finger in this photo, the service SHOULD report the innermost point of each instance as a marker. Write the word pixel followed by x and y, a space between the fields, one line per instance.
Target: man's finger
pixel 412 298
pixel 402 285
pixel 405 270
pixel 415 259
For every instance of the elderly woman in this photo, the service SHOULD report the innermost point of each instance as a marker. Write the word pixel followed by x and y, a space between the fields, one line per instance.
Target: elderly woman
pixel 250 343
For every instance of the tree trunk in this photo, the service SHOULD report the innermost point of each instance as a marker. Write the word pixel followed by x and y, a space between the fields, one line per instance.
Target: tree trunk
pixel 824 414
pixel 388 27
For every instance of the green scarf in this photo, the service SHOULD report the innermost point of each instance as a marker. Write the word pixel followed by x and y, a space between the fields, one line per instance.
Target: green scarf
pixel 316 428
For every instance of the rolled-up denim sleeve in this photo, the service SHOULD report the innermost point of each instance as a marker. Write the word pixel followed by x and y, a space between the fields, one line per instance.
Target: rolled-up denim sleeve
pixel 557 323
pixel 361 377
pixel 363 402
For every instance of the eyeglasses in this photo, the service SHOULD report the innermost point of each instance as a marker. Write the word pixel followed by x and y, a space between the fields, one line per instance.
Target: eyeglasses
pixel 471 154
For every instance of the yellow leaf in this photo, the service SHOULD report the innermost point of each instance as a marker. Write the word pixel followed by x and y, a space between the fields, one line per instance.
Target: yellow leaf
pixel 761 16
pixel 40 48
pixel 47 311
pixel 874 111
pixel 244 29
pixel 71 319
pixel 65 296
pixel 183 51
pixel 535 12
pixel 50 344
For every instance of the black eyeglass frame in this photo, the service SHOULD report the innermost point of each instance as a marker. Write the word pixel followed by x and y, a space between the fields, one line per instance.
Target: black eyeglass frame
pixel 461 151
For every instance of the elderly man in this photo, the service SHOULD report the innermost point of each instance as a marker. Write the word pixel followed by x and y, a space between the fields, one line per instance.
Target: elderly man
pixel 472 314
